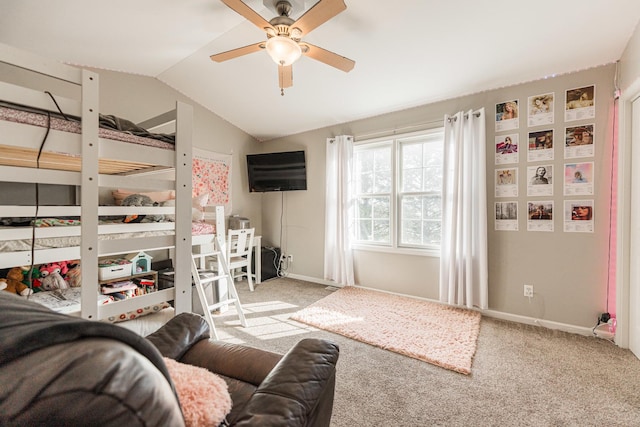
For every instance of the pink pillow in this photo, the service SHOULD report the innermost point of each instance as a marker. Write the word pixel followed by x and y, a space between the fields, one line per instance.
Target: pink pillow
pixel 157 196
pixel 204 396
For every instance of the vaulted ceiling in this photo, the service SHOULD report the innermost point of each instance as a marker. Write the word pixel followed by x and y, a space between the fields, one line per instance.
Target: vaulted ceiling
pixel 407 52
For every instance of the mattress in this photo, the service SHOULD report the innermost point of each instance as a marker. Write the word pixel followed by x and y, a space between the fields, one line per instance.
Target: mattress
pixel 74 126
pixel 197 228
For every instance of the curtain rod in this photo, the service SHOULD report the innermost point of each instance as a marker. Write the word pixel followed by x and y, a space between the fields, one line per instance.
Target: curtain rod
pixel 466 116
pixel 390 132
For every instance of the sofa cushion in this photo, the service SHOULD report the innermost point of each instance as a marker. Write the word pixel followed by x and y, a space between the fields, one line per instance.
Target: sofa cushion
pixel 179 334
pixel 203 395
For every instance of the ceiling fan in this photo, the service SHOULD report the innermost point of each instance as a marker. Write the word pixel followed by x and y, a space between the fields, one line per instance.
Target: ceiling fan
pixel 284 36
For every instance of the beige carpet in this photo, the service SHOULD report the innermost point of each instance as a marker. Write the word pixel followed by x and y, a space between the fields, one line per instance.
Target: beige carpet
pixel 435 333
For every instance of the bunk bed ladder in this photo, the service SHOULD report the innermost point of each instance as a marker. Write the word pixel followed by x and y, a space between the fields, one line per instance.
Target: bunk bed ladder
pixel 200 283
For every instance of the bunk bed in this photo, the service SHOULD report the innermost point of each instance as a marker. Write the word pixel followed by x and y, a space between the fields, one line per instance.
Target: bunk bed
pixel 89 159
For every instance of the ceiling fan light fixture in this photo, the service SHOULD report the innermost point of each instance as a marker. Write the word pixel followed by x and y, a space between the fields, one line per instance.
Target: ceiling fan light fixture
pixel 283 50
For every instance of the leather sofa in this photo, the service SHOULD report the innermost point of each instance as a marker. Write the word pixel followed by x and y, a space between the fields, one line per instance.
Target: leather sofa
pixel 62 370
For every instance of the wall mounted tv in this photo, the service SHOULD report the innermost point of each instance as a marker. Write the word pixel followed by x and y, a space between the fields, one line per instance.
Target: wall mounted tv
pixel 285 171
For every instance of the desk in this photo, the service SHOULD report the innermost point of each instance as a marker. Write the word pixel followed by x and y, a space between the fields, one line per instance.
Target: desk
pixel 204 240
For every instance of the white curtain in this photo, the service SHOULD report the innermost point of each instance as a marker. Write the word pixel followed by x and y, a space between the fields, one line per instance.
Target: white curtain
pixel 338 259
pixel 463 256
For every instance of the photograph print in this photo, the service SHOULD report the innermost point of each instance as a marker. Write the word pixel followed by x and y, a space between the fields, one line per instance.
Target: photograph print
pixel 540 145
pixel 540 110
pixel 507 116
pixel 506 149
pixel 580 103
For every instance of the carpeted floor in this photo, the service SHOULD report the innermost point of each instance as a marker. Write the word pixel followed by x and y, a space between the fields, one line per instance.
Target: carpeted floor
pixel 435 333
pixel 522 375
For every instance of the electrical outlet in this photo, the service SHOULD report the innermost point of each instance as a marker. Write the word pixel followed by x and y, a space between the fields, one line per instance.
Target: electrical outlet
pixel 290 259
pixel 528 291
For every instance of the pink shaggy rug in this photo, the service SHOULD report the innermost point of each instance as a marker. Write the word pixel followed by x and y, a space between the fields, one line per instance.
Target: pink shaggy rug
pixel 435 333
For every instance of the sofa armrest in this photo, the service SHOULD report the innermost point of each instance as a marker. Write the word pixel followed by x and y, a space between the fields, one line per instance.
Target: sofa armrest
pixel 243 363
pixel 298 391
pixel 179 334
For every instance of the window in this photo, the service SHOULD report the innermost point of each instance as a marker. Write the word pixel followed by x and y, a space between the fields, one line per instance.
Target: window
pixel 397 190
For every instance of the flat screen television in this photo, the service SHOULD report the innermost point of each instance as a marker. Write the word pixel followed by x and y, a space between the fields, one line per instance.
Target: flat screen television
pixel 285 171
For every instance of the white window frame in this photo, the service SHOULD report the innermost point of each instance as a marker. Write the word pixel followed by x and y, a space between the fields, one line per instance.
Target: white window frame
pixel 395 194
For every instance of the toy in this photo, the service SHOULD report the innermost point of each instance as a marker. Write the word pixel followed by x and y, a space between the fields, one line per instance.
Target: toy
pixel 52 276
pixel 36 284
pixel 14 283
pixel 73 276
pixel 140 200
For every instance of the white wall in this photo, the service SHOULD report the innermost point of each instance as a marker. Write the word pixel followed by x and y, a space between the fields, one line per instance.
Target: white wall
pixel 568 270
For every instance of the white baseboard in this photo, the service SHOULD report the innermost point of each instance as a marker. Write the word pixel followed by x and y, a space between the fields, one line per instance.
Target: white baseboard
pixel 315 280
pixel 580 330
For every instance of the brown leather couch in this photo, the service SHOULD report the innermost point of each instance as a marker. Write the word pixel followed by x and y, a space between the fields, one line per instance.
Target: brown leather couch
pixel 61 370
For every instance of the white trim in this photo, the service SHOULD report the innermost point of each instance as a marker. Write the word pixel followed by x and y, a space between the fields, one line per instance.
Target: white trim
pixel 549 324
pixel 623 219
pixel 430 252
pixel 315 280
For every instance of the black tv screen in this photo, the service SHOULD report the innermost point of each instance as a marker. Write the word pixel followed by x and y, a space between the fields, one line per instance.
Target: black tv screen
pixel 284 171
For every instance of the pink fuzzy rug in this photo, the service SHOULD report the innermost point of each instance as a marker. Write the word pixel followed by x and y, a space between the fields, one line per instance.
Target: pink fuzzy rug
pixel 435 333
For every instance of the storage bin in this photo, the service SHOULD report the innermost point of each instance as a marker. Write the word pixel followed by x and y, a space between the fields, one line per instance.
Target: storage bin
pixel 114 269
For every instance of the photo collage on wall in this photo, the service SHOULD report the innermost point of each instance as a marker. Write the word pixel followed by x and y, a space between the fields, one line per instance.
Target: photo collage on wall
pixel 576 172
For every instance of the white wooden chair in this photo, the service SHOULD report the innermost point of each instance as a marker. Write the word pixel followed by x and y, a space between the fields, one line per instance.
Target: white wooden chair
pixel 239 253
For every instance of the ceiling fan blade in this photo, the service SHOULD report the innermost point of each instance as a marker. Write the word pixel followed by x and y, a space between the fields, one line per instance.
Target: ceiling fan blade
pixel 320 13
pixel 285 76
pixel 248 13
pixel 319 54
pixel 234 53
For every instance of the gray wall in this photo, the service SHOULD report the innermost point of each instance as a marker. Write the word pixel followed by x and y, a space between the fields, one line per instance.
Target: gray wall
pixel 568 270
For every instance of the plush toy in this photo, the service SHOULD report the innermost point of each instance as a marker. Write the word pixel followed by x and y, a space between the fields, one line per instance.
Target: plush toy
pixel 36 284
pixel 73 276
pixel 52 276
pixel 14 283
pixel 140 200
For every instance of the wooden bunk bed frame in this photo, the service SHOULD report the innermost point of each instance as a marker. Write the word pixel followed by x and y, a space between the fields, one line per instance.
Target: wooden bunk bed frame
pixel 94 162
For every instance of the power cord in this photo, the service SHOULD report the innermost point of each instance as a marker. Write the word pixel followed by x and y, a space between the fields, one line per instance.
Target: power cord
pixel 37 191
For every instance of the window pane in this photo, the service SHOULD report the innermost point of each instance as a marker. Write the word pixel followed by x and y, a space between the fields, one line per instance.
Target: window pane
pixel 412 179
pixel 432 207
pixel 373 218
pixel 364 230
pixel 411 207
pixel 381 206
pixel 365 210
pixel 419 214
pixel 431 232
pixel 433 179
pixel 381 231
pixel 411 232
pixel 383 182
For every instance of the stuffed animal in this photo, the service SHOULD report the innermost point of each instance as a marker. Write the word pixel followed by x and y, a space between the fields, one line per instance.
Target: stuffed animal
pixel 52 276
pixel 74 275
pixel 14 283
pixel 36 284
pixel 140 200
